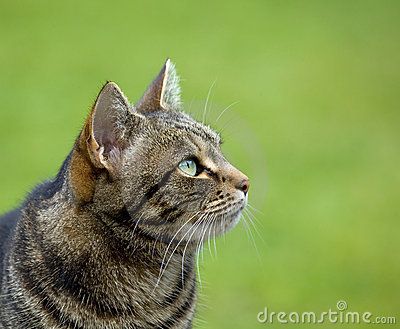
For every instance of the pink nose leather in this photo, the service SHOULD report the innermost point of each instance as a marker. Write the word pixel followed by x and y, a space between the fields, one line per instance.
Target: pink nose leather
pixel 243 185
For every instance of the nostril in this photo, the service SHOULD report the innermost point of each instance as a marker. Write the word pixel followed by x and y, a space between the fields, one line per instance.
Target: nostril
pixel 244 186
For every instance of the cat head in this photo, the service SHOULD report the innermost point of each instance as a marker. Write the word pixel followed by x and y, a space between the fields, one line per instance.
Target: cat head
pixel 172 181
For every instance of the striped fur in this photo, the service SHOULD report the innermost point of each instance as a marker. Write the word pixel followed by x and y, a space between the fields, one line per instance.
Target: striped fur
pixel 111 241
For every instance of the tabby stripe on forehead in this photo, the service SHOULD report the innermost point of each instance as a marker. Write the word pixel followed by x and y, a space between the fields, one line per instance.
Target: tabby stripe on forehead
pixel 188 125
pixel 195 129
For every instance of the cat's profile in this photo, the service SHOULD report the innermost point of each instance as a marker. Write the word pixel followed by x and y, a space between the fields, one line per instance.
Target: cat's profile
pixel 111 241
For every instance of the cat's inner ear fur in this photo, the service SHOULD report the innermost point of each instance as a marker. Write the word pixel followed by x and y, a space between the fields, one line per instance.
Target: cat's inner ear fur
pixel 163 93
pixel 108 126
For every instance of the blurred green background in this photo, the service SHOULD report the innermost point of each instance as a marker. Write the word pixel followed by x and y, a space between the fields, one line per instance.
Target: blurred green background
pixel 315 127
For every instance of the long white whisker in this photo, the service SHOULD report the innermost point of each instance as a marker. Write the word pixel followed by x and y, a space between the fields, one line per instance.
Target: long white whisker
pixel 136 225
pixel 226 109
pixel 162 269
pixel 250 217
pixel 255 209
pixel 200 221
pixel 170 257
pixel 249 210
pixel 214 240
pixel 209 236
pixel 225 126
pixel 202 238
pixel 173 238
pixel 207 99
pixel 246 227
pixel 188 241
pixel 197 261
pixel 254 242
pixel 158 236
pixel 223 221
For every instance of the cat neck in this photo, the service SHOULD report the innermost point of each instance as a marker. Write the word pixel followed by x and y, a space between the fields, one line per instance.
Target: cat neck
pixel 83 267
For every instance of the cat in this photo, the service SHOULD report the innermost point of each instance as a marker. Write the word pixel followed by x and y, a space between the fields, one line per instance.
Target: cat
pixel 111 241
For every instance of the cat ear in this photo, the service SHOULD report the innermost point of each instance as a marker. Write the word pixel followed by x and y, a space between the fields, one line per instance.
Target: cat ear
pixel 108 125
pixel 163 93
pixel 101 140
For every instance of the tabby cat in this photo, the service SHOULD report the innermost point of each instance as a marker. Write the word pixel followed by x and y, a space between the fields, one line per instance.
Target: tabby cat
pixel 111 241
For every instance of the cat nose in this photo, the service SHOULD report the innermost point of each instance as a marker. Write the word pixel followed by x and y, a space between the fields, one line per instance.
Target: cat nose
pixel 243 185
pixel 237 179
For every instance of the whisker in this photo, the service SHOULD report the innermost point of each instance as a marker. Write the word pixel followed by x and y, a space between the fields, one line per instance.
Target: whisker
pixel 158 236
pixel 226 109
pixel 174 236
pixel 197 256
pixel 254 208
pixel 254 242
pixel 203 235
pixel 249 215
pixel 209 236
pixel 225 126
pixel 197 224
pixel 197 261
pixel 214 240
pixel 246 227
pixel 249 210
pixel 207 99
pixel 223 221
pixel 162 269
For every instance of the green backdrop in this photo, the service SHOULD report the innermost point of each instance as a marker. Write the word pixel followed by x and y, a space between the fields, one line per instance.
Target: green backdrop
pixel 314 124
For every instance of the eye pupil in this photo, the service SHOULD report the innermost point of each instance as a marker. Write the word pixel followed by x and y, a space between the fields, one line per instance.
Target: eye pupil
pixel 189 167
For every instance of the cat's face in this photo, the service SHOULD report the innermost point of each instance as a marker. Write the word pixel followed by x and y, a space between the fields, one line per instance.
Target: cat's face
pixel 173 178
pixel 173 172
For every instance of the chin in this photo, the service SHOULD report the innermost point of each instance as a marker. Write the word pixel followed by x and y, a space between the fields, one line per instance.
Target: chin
pixel 229 220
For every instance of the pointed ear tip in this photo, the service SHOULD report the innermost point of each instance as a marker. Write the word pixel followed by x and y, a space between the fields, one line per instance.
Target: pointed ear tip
pixel 169 64
pixel 165 66
pixel 111 85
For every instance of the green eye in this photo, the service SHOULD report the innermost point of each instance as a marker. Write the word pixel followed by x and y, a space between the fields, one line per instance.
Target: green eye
pixel 188 167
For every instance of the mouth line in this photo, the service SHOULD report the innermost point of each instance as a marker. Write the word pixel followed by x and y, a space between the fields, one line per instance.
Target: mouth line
pixel 231 217
pixel 230 210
